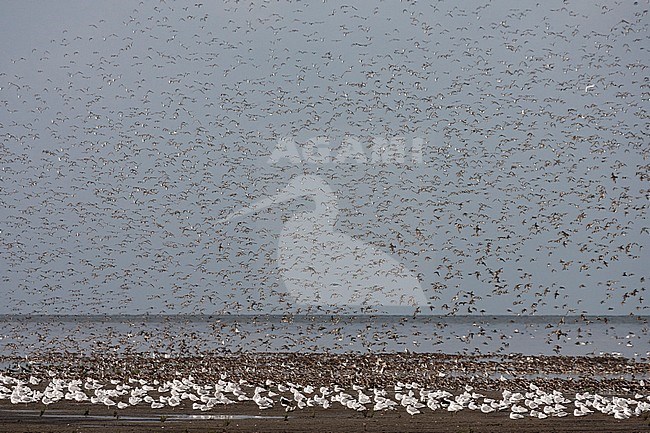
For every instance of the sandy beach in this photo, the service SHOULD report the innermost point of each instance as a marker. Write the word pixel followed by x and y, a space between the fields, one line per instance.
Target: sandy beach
pixel 490 376
pixel 70 418
pixel 607 374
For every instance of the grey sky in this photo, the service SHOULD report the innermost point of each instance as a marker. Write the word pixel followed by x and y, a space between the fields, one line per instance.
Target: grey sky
pixel 129 131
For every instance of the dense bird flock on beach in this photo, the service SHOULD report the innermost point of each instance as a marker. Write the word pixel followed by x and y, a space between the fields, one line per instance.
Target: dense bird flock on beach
pixel 513 386
pixel 413 398
pixel 128 140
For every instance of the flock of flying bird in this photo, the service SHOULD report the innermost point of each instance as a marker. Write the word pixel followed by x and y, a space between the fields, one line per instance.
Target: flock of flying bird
pixel 127 144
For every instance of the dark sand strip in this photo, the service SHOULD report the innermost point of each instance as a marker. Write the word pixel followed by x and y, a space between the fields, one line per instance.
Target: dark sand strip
pixel 57 418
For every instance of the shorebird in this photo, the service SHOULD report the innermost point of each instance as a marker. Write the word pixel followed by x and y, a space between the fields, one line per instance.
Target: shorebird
pixel 320 266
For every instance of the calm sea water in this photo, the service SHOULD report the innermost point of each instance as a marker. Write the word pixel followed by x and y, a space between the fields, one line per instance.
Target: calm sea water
pixel 191 335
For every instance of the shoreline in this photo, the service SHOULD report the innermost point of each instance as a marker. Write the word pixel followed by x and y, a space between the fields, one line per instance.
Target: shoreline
pixel 336 419
pixel 286 392
pixel 610 374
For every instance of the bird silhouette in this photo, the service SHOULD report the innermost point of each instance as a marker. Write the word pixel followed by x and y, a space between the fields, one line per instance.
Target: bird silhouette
pixel 320 266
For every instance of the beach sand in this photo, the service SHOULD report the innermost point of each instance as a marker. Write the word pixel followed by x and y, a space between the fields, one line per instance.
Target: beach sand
pixel 605 374
pixel 69 417
pixel 489 375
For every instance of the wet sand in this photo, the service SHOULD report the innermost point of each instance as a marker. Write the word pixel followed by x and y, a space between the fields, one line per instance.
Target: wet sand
pixel 69 417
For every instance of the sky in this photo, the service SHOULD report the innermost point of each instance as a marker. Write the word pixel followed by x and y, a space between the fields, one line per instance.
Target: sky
pixel 131 132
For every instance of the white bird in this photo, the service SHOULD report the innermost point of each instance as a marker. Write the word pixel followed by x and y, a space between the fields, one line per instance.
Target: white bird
pixel 519 409
pixel 454 407
pixel 412 410
pixel 486 408
pixel 363 398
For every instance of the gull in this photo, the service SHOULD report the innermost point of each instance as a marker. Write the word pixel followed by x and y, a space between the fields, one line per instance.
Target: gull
pixel 412 410
pixel 518 409
pixel 454 407
pixel 262 402
pixel 363 398
pixel 486 408
pixel 582 411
